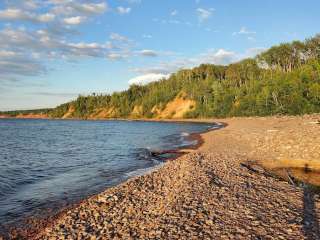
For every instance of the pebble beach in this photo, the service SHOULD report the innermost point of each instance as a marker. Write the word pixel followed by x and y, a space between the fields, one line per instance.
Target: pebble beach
pixel 210 192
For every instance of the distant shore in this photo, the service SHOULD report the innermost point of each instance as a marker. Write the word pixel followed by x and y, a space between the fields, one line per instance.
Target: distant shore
pixel 219 191
pixel 26 116
pixel 42 116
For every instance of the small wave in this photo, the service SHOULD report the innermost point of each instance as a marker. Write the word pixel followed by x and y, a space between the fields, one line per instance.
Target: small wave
pixel 188 143
pixel 216 126
pixel 142 154
pixel 185 134
pixel 142 171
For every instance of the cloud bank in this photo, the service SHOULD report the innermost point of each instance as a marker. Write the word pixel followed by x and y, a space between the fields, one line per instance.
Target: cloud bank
pixel 26 50
pixel 165 69
pixel 148 78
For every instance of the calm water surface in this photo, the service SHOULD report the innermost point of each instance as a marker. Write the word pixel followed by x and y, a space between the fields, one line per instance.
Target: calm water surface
pixel 49 163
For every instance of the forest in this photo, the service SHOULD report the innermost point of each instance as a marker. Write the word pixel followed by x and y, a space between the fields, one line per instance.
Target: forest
pixel 284 80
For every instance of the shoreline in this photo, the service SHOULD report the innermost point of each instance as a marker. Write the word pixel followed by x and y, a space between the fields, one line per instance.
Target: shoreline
pixel 37 224
pixel 175 120
pixel 209 192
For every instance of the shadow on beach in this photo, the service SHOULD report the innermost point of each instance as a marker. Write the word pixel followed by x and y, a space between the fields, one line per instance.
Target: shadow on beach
pixel 310 218
pixel 309 180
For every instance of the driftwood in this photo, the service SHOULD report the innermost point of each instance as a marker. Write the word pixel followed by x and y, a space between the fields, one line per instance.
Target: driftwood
pixel 290 178
pixel 163 152
pixel 172 151
pixel 255 168
pixel 176 152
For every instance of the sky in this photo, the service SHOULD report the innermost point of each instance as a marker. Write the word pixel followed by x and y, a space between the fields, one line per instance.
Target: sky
pixel 53 50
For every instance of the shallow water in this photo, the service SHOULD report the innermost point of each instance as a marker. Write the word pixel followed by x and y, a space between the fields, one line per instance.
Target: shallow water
pixel 51 163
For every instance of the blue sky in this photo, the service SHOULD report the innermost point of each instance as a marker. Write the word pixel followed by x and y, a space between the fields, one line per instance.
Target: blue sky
pixel 53 50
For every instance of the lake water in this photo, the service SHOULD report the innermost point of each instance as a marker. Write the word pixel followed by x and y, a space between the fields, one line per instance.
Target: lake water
pixel 51 163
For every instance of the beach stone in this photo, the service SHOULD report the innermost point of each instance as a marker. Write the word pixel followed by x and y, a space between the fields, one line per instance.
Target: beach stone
pixel 208 193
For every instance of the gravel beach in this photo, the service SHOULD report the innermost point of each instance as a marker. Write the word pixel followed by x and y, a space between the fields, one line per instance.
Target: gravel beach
pixel 210 193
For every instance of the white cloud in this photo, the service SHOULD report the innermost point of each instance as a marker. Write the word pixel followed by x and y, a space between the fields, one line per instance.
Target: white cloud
pixel 204 14
pixel 217 57
pixel 59 1
pixel 28 10
pixel 220 57
pixel 123 10
pixel 69 8
pixel 28 4
pixel 114 56
pixel 243 31
pixel 14 64
pixel 26 50
pixel 14 14
pixel 22 49
pixel 74 20
pixel 146 36
pixel 174 13
pixel 172 21
pixel 91 8
pixel 148 53
pixel 87 49
pixel 7 54
pixel 147 78
pixel 118 37
pixel 47 17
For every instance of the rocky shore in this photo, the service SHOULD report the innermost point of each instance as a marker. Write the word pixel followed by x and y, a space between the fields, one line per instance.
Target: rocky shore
pixel 212 192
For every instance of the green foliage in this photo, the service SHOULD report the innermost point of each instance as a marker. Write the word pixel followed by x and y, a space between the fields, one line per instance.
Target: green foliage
pixel 59 111
pixel 25 112
pixel 283 80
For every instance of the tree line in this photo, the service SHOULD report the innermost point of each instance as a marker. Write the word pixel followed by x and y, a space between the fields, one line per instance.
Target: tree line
pixel 282 80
